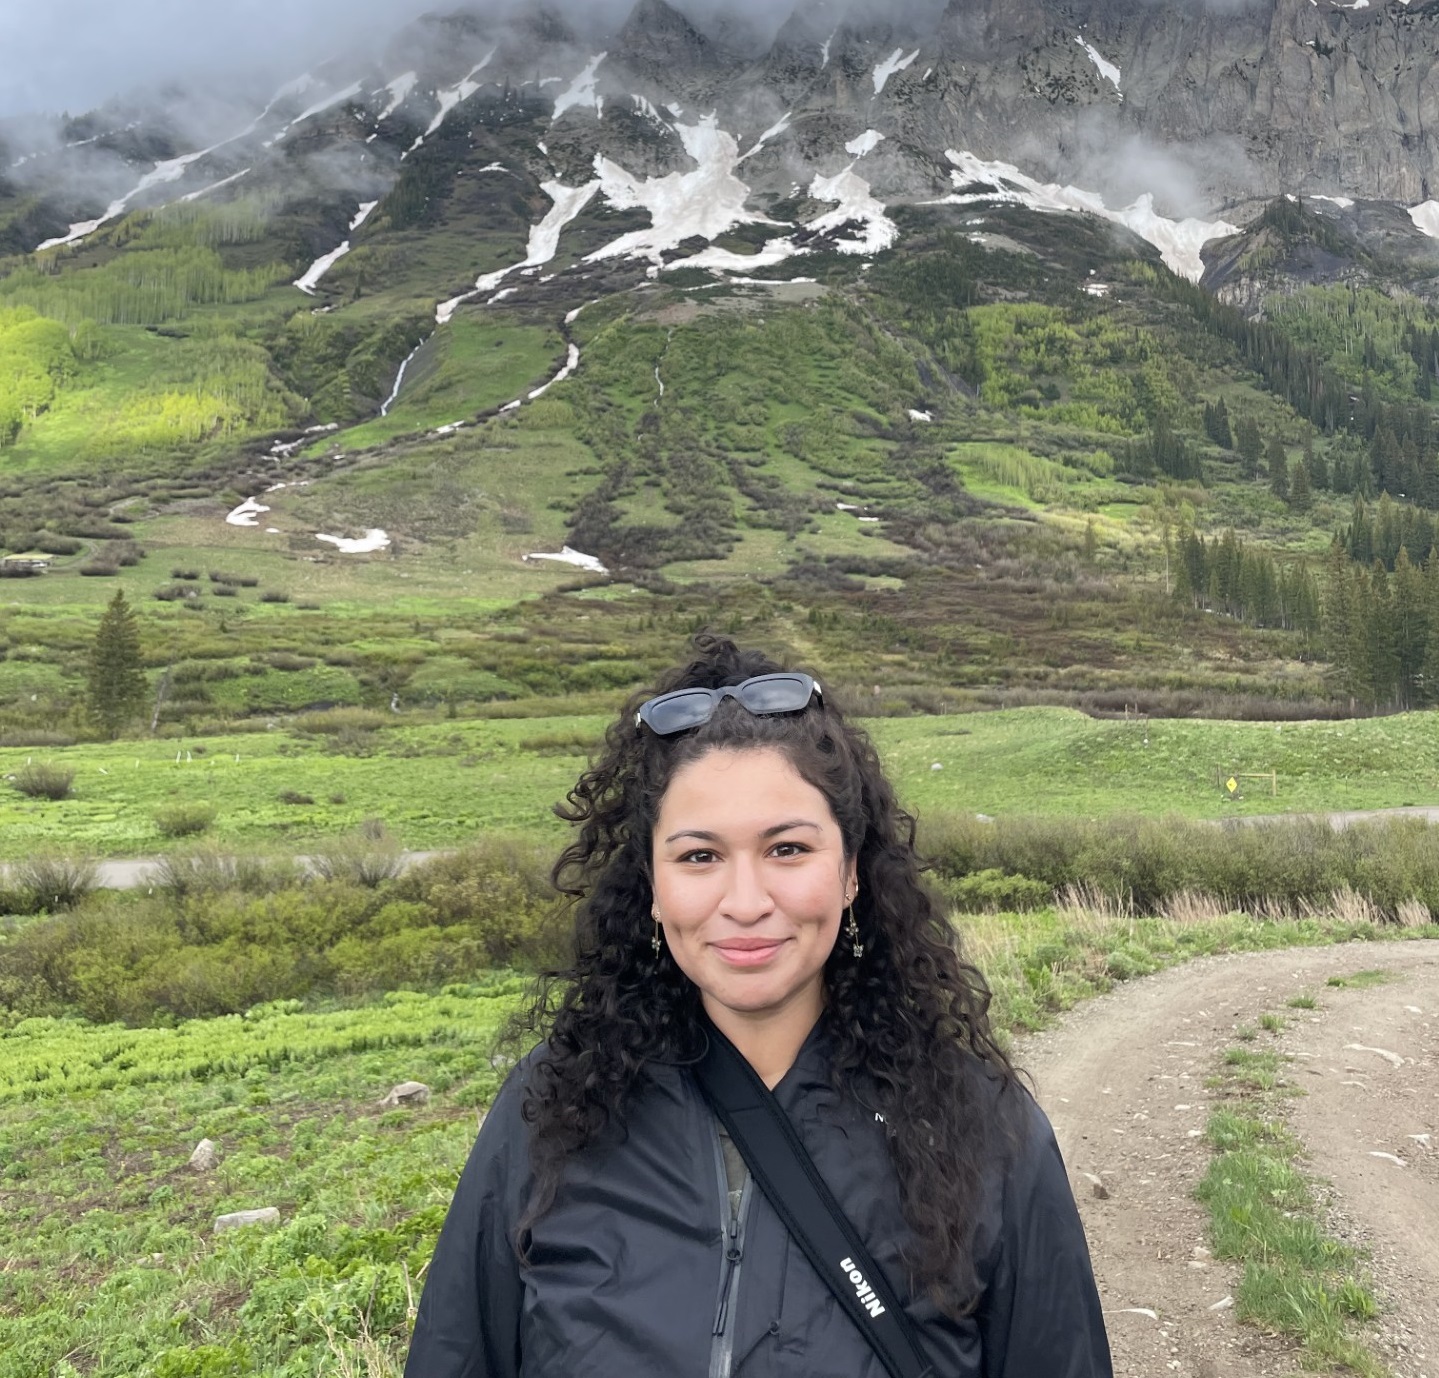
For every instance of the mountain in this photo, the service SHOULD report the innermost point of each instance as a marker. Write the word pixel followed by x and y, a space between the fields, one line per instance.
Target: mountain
pixel 922 318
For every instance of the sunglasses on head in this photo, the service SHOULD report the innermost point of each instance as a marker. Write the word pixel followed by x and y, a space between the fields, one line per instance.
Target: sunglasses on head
pixel 686 708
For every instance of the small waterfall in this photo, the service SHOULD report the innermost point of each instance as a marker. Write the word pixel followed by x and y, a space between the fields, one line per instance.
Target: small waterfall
pixel 400 376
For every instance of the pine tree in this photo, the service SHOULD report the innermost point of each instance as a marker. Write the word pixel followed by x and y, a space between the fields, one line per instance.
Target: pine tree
pixel 1301 497
pixel 117 688
pixel 1278 469
pixel 1250 445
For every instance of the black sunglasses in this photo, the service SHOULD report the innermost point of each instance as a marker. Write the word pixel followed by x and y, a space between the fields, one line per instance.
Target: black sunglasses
pixel 686 708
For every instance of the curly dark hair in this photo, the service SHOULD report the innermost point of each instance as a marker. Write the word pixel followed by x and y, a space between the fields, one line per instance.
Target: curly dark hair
pixel 908 1023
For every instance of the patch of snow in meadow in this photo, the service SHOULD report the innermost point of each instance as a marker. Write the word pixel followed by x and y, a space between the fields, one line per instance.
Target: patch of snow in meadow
pixel 582 91
pixel 399 90
pixel 544 241
pixel 895 62
pixel 1178 241
pixel 573 557
pixel 449 99
pixel 1426 218
pixel 571 364
pixel 920 415
pixel 371 541
pixel 247 513
pixel 1106 68
pixel 865 144
pixel 1343 202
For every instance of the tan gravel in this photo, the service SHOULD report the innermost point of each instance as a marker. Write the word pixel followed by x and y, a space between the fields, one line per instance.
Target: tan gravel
pixel 1123 1079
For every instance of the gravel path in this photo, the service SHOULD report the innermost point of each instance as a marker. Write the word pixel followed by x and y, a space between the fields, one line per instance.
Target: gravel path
pixel 1123 1079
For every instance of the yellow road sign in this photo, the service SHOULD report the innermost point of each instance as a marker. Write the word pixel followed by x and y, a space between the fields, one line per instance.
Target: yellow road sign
pixel 1232 785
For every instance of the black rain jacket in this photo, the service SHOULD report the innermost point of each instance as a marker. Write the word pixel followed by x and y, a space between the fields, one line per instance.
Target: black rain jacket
pixel 628 1274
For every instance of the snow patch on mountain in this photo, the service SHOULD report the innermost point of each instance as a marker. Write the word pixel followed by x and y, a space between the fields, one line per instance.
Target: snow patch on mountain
pixel 319 268
pixel 215 186
pixel 319 107
pixel 371 541
pixel 452 97
pixel 773 132
pixel 866 143
pixel 169 171
pixel 1179 241
pixel 248 513
pixel 1107 69
pixel 399 90
pixel 571 364
pixel 1426 218
pixel 895 62
pixel 707 201
pixel 363 214
pixel 583 90
pixel 855 202
pixel 543 245
pixel 573 557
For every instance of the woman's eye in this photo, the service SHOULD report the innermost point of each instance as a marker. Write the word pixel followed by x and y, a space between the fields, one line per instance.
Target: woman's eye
pixel 699 858
pixel 784 849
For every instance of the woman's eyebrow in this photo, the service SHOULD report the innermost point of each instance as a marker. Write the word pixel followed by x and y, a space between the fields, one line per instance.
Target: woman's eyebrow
pixel 768 833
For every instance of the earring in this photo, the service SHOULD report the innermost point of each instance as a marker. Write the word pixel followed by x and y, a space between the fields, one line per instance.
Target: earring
pixel 853 930
pixel 655 940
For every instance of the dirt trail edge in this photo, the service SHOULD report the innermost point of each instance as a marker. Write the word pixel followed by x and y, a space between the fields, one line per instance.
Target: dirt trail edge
pixel 1123 1079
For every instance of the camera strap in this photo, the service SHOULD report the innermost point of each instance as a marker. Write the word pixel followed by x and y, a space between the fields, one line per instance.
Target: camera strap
pixel 786 1174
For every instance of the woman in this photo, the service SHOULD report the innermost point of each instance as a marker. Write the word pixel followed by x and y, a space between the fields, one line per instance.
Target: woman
pixel 742 866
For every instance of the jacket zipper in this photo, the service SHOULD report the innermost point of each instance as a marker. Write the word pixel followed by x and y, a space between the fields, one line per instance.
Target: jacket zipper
pixel 733 1228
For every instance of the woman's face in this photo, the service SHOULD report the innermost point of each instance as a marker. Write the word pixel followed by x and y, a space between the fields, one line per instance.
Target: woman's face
pixel 750 880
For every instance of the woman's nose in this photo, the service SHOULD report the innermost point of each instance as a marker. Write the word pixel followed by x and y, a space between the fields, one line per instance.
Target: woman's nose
pixel 747 898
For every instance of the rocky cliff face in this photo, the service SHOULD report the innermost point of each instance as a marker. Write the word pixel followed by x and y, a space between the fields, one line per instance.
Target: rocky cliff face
pixel 1209 107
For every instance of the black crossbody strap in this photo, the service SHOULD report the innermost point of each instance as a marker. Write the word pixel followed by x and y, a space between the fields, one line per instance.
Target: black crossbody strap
pixel 792 1184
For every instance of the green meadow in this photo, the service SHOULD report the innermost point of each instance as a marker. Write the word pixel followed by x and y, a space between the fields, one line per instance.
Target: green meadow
pixel 443 783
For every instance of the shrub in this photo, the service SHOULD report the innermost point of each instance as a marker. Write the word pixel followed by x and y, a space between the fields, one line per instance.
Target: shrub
pixel 368 857
pixel 21 736
pixel 335 721
pixel 54 880
pixel 274 596
pixel 184 820
pixel 290 796
pixel 995 891
pixel 176 593
pixel 38 781
pixel 99 569
pixel 185 574
pixel 208 870
pixel 499 891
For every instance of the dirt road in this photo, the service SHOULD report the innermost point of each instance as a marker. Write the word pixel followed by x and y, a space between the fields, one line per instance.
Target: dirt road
pixel 1123 1078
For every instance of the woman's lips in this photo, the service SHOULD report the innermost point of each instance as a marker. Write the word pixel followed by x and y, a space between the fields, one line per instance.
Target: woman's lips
pixel 748 952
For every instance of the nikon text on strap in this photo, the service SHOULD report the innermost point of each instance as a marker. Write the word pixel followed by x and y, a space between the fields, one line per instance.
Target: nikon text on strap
pixel 784 1171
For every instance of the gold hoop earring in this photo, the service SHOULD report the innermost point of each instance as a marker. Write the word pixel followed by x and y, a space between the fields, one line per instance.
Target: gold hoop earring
pixel 853 930
pixel 655 941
